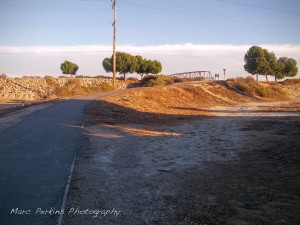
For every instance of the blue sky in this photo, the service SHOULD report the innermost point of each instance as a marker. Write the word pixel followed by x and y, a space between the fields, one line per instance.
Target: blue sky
pixel 32 26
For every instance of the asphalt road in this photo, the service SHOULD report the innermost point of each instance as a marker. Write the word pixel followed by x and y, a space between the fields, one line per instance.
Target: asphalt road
pixel 36 155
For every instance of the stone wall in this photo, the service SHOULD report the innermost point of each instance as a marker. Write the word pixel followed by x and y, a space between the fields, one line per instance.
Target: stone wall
pixel 37 89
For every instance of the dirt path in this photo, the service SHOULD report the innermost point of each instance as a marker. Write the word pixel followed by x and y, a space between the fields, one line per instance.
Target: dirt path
pixel 239 168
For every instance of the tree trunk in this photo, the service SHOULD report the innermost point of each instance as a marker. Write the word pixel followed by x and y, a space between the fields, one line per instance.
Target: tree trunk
pixel 124 76
pixel 267 78
pixel 142 75
pixel 275 79
pixel 256 77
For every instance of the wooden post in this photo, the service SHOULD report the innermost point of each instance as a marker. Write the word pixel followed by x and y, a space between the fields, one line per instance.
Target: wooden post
pixel 115 44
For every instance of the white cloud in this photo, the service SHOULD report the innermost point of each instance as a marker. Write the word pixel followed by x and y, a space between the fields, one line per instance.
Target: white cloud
pixel 45 60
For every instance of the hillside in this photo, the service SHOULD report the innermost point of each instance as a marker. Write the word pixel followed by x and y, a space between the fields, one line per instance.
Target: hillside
pixel 190 99
pixel 41 88
pixel 192 153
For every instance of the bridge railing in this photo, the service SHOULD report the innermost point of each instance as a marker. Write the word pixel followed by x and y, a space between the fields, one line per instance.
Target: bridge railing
pixel 206 75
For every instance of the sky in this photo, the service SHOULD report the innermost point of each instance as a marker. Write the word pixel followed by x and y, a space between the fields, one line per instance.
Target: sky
pixel 185 35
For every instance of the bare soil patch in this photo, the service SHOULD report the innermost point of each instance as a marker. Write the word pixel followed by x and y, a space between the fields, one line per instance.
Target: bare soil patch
pixel 201 154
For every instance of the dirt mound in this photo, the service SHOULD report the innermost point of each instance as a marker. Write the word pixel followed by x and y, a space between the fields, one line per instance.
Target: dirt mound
pixel 185 101
pixel 179 99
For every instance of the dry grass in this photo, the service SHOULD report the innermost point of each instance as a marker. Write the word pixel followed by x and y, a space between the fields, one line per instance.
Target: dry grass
pixel 186 99
pixel 290 82
pixel 156 80
pixel 73 87
pixel 253 88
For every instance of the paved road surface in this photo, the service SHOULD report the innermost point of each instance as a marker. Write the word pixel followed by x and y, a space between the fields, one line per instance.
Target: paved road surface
pixel 35 160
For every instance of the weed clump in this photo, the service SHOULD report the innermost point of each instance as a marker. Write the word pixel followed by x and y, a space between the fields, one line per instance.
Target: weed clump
pixel 290 82
pixel 74 87
pixel 156 80
pixel 251 87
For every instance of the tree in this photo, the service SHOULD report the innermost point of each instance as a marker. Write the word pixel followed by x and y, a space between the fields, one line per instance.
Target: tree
pixel 68 67
pixel 107 64
pixel 286 67
pixel 270 65
pixel 261 61
pixel 124 63
pixel 148 66
pixel 127 63
pixel 133 64
pixel 157 67
pixel 153 67
pixel 141 66
pixel 255 61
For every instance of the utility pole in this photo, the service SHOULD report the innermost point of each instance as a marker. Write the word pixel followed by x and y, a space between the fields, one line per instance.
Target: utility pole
pixel 115 43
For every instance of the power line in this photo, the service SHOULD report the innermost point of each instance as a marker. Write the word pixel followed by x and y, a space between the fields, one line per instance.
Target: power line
pixel 48 52
pixel 195 14
pixel 259 7
pixel 53 7
pixel 140 14
pixel 58 25
pixel 242 22
pixel 188 12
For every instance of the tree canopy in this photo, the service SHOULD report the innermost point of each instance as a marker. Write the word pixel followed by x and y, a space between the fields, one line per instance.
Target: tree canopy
pixel 259 61
pixel 286 67
pixel 255 61
pixel 68 67
pixel 107 64
pixel 270 65
pixel 127 63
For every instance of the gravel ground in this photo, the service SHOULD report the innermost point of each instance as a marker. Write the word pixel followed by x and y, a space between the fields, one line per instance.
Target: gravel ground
pixel 237 166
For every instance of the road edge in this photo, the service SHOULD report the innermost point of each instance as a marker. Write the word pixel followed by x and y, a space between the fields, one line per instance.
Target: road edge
pixel 67 188
pixel 61 215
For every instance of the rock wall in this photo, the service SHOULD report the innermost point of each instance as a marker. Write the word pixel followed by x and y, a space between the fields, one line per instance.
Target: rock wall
pixel 37 89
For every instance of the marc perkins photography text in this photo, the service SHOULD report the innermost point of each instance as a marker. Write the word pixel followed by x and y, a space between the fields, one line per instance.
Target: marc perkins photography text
pixel 75 211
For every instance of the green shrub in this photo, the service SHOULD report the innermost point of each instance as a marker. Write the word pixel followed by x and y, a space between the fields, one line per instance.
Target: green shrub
pixel 156 80
pixel 133 79
pixel 250 86
pixel 149 77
